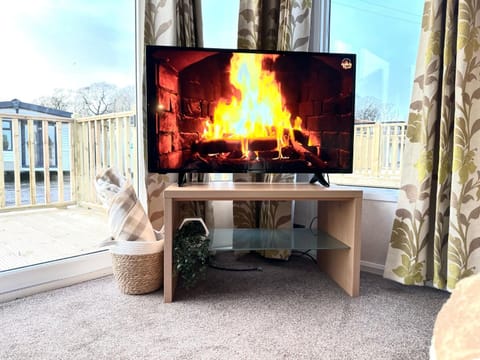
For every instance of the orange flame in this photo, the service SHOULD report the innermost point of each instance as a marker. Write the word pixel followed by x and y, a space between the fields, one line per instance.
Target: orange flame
pixel 259 112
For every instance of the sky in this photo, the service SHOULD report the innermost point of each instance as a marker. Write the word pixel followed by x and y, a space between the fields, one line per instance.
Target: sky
pixel 384 34
pixel 220 31
pixel 49 44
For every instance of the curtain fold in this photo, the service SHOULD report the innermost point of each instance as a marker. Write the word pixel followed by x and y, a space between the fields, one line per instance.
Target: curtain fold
pixel 270 25
pixel 188 23
pixel 170 22
pixel 435 235
pixel 274 24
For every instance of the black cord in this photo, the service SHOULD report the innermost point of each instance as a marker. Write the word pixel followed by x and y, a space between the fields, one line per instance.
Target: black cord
pixel 225 268
pixel 311 224
pixel 307 252
pixel 304 253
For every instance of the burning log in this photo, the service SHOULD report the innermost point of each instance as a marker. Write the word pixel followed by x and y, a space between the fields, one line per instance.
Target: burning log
pixel 228 165
pixel 262 144
pixel 301 137
pixel 270 154
pixel 217 146
pixel 308 155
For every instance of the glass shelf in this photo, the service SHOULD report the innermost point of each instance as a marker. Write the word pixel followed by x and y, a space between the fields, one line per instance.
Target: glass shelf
pixel 265 239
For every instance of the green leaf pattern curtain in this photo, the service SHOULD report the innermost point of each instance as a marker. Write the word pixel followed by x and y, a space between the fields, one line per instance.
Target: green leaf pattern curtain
pixel 274 24
pixel 436 230
pixel 269 25
pixel 172 22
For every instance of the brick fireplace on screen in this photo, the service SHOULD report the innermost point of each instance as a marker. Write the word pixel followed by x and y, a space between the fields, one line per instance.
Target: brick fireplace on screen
pixel 189 87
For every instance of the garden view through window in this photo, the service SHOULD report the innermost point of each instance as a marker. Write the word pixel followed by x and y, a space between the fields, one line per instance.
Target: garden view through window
pixel 384 35
pixel 67 106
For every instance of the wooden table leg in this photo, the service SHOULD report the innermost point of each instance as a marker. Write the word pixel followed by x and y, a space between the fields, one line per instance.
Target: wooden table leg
pixel 168 286
pixel 341 219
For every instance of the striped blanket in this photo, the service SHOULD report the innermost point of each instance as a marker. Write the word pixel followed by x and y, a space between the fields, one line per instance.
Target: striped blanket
pixel 126 217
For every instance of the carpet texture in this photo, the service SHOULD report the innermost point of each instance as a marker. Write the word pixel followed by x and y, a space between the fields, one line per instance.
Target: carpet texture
pixel 290 310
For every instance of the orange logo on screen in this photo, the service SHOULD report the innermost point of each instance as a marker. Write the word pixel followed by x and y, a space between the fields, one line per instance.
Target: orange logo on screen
pixel 346 64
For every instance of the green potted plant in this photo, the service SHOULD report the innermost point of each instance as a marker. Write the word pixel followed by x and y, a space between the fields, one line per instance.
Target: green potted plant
pixel 191 251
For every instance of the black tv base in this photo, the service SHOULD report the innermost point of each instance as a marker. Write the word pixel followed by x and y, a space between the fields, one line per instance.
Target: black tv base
pixel 181 178
pixel 317 177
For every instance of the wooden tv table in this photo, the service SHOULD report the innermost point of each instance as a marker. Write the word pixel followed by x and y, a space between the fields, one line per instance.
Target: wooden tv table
pixel 337 241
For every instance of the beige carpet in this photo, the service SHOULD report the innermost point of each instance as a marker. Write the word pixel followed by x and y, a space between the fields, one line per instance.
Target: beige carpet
pixel 289 310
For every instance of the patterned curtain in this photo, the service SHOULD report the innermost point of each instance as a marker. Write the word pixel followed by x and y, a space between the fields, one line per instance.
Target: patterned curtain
pixel 435 234
pixel 269 25
pixel 172 22
pixel 274 24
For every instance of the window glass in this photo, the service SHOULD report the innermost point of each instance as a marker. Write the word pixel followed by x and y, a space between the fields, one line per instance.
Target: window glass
pixel 52 144
pixel 66 53
pixel 220 23
pixel 7 135
pixel 384 34
pixel 76 56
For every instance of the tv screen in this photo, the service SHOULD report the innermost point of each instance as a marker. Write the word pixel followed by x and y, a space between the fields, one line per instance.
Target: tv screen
pixel 227 111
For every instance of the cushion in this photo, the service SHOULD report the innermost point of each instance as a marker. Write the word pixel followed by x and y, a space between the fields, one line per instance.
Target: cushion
pixel 456 334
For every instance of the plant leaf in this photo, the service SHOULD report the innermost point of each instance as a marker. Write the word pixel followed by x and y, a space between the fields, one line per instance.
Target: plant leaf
pixel 403 214
pixel 400 271
pixel 474 245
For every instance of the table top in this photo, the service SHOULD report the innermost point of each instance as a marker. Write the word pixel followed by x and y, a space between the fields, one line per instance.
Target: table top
pixel 259 191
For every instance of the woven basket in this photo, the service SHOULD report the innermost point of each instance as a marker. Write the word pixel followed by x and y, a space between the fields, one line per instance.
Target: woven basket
pixel 138 273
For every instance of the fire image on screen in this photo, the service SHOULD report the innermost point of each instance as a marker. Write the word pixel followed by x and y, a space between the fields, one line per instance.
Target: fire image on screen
pixel 212 110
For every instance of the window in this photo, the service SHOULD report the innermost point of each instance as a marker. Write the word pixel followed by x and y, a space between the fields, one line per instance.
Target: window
pixel 61 47
pixel 384 35
pixel 7 135
pixel 73 57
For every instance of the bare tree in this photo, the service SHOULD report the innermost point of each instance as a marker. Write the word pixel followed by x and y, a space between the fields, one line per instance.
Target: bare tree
pixel 125 99
pixel 61 99
pixel 96 99
pixel 370 108
pixel 368 112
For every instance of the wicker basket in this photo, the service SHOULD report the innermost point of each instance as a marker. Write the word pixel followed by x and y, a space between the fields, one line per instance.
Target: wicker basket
pixel 138 273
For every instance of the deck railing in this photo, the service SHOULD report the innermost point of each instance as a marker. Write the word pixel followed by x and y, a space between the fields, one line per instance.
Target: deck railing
pixel 53 161
pixel 83 146
pixel 31 163
pixel 103 141
pixel 378 153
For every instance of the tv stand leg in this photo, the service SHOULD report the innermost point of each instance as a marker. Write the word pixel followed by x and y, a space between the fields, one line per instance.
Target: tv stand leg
pixel 168 272
pixel 320 178
pixel 181 179
pixel 341 219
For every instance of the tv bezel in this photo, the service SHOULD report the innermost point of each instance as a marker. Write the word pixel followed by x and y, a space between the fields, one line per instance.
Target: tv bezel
pixel 151 103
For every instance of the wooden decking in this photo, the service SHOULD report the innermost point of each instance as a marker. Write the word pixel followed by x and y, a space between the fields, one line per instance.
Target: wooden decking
pixel 36 236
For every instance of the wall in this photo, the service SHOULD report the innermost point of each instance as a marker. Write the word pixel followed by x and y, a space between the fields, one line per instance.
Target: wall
pixel 379 206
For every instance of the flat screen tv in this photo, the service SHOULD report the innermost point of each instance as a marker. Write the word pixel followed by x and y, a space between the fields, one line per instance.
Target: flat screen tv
pixel 229 111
